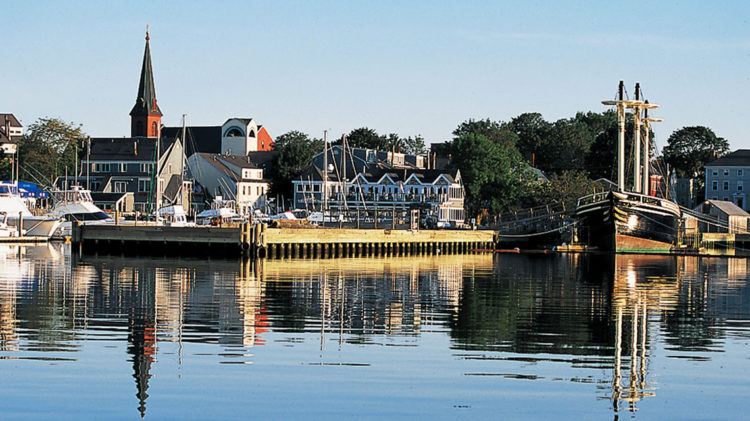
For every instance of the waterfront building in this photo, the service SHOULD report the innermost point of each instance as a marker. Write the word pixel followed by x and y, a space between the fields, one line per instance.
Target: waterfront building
pixel 232 177
pixel 727 177
pixel 369 180
pixel 730 218
pixel 11 131
pixel 237 136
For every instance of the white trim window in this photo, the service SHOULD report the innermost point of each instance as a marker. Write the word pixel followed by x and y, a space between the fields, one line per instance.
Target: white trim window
pixel 119 186
pixel 740 185
pixel 740 173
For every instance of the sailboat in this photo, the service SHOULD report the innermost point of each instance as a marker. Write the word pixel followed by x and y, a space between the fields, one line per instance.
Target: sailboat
pixel 623 221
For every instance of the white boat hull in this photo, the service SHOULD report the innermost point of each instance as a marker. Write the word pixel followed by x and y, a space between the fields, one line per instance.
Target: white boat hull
pixel 36 226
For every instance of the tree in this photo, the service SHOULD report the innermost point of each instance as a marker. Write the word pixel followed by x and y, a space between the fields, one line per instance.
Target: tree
pixel 565 187
pixel 532 131
pixel 495 175
pixel 365 137
pixel 495 131
pixel 295 153
pixel 49 146
pixel 567 143
pixel 689 149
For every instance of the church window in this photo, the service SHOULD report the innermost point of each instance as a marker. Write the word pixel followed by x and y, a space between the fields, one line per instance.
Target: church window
pixel 154 130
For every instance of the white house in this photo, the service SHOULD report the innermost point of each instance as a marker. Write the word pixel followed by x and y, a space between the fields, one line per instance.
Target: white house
pixel 233 177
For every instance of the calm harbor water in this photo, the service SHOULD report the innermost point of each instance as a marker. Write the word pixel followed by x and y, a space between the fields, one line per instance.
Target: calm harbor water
pixel 505 336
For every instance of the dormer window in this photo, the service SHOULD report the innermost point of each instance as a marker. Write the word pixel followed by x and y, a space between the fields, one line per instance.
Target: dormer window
pixel 234 132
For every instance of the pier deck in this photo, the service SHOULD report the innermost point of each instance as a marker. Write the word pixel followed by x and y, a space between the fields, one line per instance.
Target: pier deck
pixel 260 241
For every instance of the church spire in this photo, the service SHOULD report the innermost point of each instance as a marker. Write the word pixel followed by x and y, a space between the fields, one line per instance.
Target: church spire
pixel 146 115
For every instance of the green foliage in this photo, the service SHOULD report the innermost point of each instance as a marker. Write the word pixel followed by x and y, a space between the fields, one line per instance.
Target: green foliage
pixel 368 138
pixel 565 187
pixel 49 146
pixel 494 174
pixel 296 150
pixel 690 148
pixel 495 131
pixel 533 133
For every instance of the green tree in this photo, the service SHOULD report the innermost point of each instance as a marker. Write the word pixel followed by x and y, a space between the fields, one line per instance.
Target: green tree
pixel 532 131
pixel 365 137
pixel 690 148
pixel 49 146
pixel 295 153
pixel 565 148
pixel 495 131
pixel 565 187
pixel 495 175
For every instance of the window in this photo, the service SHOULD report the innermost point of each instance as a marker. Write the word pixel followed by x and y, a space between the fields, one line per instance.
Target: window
pixel 726 171
pixel 120 186
pixel 715 173
pixel 169 168
pixel 739 173
pixel 740 185
pixel 714 185
pixel 123 167
pixel 100 167
pixel 144 185
pixel 726 199
pixel 154 129
pixel 147 168
pixel 726 185
pixel 96 185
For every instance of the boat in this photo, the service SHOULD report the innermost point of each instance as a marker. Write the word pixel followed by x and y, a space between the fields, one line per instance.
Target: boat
pixel 626 222
pixel 174 216
pixel 75 204
pixel 16 210
pixel 623 221
pixel 5 230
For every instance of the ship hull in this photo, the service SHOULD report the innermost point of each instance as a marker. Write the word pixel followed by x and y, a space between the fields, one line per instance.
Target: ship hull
pixel 628 223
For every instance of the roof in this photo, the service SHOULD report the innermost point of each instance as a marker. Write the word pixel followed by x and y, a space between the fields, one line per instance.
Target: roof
pixel 375 174
pixel 738 158
pixel 12 120
pixel 205 139
pixel 174 186
pixel 728 208
pixel 125 148
pixel 244 120
pixel 145 101
pixel 223 163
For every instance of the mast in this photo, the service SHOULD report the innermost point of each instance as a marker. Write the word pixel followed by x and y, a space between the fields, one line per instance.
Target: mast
pixel 157 200
pixel 620 137
pixel 637 142
pixel 647 144
pixel 183 159
pixel 325 175
pixel 343 173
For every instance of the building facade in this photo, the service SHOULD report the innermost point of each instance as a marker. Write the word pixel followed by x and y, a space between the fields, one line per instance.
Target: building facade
pixel 728 177
pixel 381 181
pixel 233 178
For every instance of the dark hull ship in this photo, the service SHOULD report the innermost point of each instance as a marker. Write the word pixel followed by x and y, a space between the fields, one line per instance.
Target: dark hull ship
pixel 628 222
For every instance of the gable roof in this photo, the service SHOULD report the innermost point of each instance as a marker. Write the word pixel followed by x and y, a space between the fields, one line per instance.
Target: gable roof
pixel 206 139
pixel 738 158
pixel 126 148
pixel 11 119
pixel 728 208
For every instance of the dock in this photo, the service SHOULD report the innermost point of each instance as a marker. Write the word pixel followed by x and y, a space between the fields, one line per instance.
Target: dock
pixel 261 241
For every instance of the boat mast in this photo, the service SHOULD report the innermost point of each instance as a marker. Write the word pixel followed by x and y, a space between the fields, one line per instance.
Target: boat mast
pixel 621 137
pixel 157 191
pixel 637 141
pixel 647 144
pixel 324 192
pixel 182 161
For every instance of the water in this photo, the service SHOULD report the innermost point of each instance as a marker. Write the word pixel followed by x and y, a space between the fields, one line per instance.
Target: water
pixel 506 336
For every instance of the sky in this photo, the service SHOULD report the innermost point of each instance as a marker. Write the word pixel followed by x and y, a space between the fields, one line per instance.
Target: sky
pixel 416 67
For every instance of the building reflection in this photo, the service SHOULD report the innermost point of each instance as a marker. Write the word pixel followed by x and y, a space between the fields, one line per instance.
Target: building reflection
pixel 590 312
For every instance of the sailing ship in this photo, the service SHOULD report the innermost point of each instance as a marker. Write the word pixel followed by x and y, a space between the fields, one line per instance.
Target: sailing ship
pixel 624 221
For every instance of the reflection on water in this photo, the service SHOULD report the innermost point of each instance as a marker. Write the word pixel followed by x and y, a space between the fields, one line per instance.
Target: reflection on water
pixel 477 335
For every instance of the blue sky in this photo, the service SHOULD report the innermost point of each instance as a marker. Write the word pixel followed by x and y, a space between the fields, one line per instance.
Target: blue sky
pixel 417 67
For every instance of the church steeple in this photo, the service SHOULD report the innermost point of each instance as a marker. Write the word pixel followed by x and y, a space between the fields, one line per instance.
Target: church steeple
pixel 145 117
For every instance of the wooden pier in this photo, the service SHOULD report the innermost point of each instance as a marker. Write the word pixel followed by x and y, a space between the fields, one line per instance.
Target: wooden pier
pixel 261 241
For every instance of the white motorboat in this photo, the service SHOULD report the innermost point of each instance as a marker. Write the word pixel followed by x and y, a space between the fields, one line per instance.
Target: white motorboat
pixel 174 216
pixel 75 204
pixel 5 230
pixel 16 210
